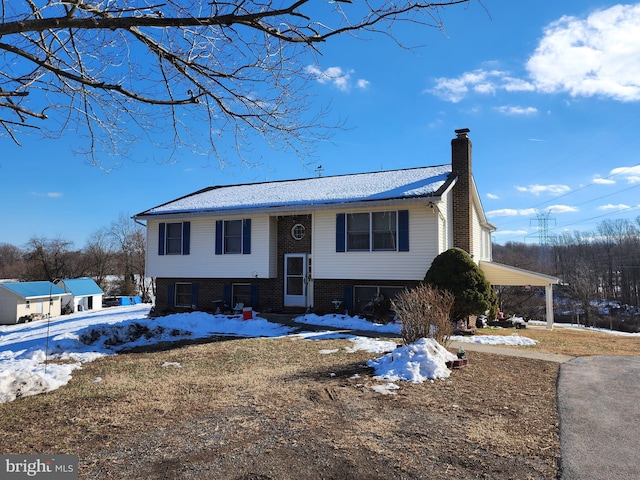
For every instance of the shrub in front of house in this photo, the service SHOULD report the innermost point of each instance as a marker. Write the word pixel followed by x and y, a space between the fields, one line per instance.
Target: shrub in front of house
pixel 424 312
pixel 455 271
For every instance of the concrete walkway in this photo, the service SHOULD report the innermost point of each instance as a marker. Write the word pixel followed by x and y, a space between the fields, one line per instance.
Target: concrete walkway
pixel 523 352
pixel 598 407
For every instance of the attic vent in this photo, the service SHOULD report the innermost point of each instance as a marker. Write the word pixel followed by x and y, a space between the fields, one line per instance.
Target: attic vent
pixel 298 231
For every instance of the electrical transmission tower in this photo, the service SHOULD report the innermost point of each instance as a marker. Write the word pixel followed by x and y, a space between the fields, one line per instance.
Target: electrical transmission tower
pixel 542 218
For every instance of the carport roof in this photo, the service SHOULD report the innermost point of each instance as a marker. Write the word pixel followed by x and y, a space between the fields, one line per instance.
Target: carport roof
pixel 506 275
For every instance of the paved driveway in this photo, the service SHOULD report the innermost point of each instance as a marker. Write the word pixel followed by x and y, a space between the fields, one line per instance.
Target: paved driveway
pixel 599 411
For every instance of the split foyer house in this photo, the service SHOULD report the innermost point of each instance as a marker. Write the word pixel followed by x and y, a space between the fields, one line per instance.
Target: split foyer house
pixel 328 243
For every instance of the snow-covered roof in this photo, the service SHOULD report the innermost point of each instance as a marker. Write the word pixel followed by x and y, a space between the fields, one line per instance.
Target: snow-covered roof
pixel 33 289
pixel 361 187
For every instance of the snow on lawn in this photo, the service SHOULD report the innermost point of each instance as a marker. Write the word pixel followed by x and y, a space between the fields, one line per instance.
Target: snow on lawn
pixel 82 337
pixel 71 340
pixel 513 340
pixel 348 322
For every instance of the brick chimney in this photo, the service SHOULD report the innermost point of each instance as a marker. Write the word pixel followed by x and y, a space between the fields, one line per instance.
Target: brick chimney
pixel 462 210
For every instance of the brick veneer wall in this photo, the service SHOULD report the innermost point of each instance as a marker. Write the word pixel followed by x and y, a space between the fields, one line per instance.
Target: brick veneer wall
pixel 326 291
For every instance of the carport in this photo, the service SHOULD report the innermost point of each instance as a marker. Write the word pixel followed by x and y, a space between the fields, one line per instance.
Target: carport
pixel 508 276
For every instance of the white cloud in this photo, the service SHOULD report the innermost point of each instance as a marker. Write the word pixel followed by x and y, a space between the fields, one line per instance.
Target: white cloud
pixel 340 78
pixel 598 55
pixel 597 179
pixel 511 212
pixel 630 174
pixel 561 209
pixel 363 84
pixel 620 206
pixel 479 81
pixel 538 189
pixel 515 110
pixel 493 196
pixel 510 232
pixel 48 194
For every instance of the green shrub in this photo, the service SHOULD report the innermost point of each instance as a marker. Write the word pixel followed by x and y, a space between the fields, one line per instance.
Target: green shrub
pixel 425 312
pixel 456 272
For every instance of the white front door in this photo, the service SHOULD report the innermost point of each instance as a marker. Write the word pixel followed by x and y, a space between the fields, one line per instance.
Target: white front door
pixel 295 280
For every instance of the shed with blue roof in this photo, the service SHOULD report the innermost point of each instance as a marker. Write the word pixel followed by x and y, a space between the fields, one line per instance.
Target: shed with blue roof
pixel 82 294
pixel 26 301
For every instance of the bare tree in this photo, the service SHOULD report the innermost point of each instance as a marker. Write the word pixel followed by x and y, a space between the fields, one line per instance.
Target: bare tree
pixel 131 244
pixel 99 256
pixel 114 71
pixel 11 262
pixel 51 259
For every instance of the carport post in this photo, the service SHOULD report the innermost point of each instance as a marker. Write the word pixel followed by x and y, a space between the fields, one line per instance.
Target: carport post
pixel 548 290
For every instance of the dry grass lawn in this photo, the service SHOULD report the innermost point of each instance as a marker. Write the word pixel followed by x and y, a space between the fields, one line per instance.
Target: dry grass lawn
pixel 576 342
pixel 283 409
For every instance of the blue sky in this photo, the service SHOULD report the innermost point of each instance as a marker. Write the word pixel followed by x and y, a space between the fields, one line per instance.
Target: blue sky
pixel 550 91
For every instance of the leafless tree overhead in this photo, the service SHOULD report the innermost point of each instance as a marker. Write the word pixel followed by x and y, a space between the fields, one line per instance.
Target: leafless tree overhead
pixel 115 71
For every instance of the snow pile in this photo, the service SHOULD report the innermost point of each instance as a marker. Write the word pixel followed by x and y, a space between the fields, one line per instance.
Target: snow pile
pixel 349 322
pixel 513 340
pixel 419 361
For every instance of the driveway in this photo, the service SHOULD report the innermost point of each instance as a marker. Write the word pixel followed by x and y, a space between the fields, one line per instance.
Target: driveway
pixel 599 411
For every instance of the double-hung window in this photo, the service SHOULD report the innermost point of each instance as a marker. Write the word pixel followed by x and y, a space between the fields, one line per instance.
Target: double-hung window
pixel 233 236
pixel 386 231
pixel 183 295
pixel 358 238
pixel 371 232
pixel 174 238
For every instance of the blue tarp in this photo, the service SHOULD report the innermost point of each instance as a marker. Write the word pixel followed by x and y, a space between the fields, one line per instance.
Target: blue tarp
pixel 129 300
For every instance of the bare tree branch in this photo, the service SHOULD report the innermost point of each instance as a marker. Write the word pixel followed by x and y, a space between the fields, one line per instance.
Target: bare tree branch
pixel 114 71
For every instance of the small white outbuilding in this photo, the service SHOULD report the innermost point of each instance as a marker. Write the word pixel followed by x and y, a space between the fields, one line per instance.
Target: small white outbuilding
pixel 81 294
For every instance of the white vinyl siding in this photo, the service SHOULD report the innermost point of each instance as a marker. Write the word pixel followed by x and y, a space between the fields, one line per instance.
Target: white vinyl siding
pixel 481 239
pixel 383 265
pixel 202 261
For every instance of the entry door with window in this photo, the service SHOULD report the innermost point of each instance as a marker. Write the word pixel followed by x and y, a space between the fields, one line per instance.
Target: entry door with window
pixel 295 280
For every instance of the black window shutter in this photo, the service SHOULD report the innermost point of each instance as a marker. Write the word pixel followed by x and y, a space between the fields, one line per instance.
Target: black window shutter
pixel 218 237
pixel 403 230
pixel 340 232
pixel 254 296
pixel 347 297
pixel 246 236
pixel 194 295
pixel 186 237
pixel 171 295
pixel 161 238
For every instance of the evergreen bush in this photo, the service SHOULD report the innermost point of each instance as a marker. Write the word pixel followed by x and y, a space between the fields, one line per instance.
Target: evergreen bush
pixel 455 271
